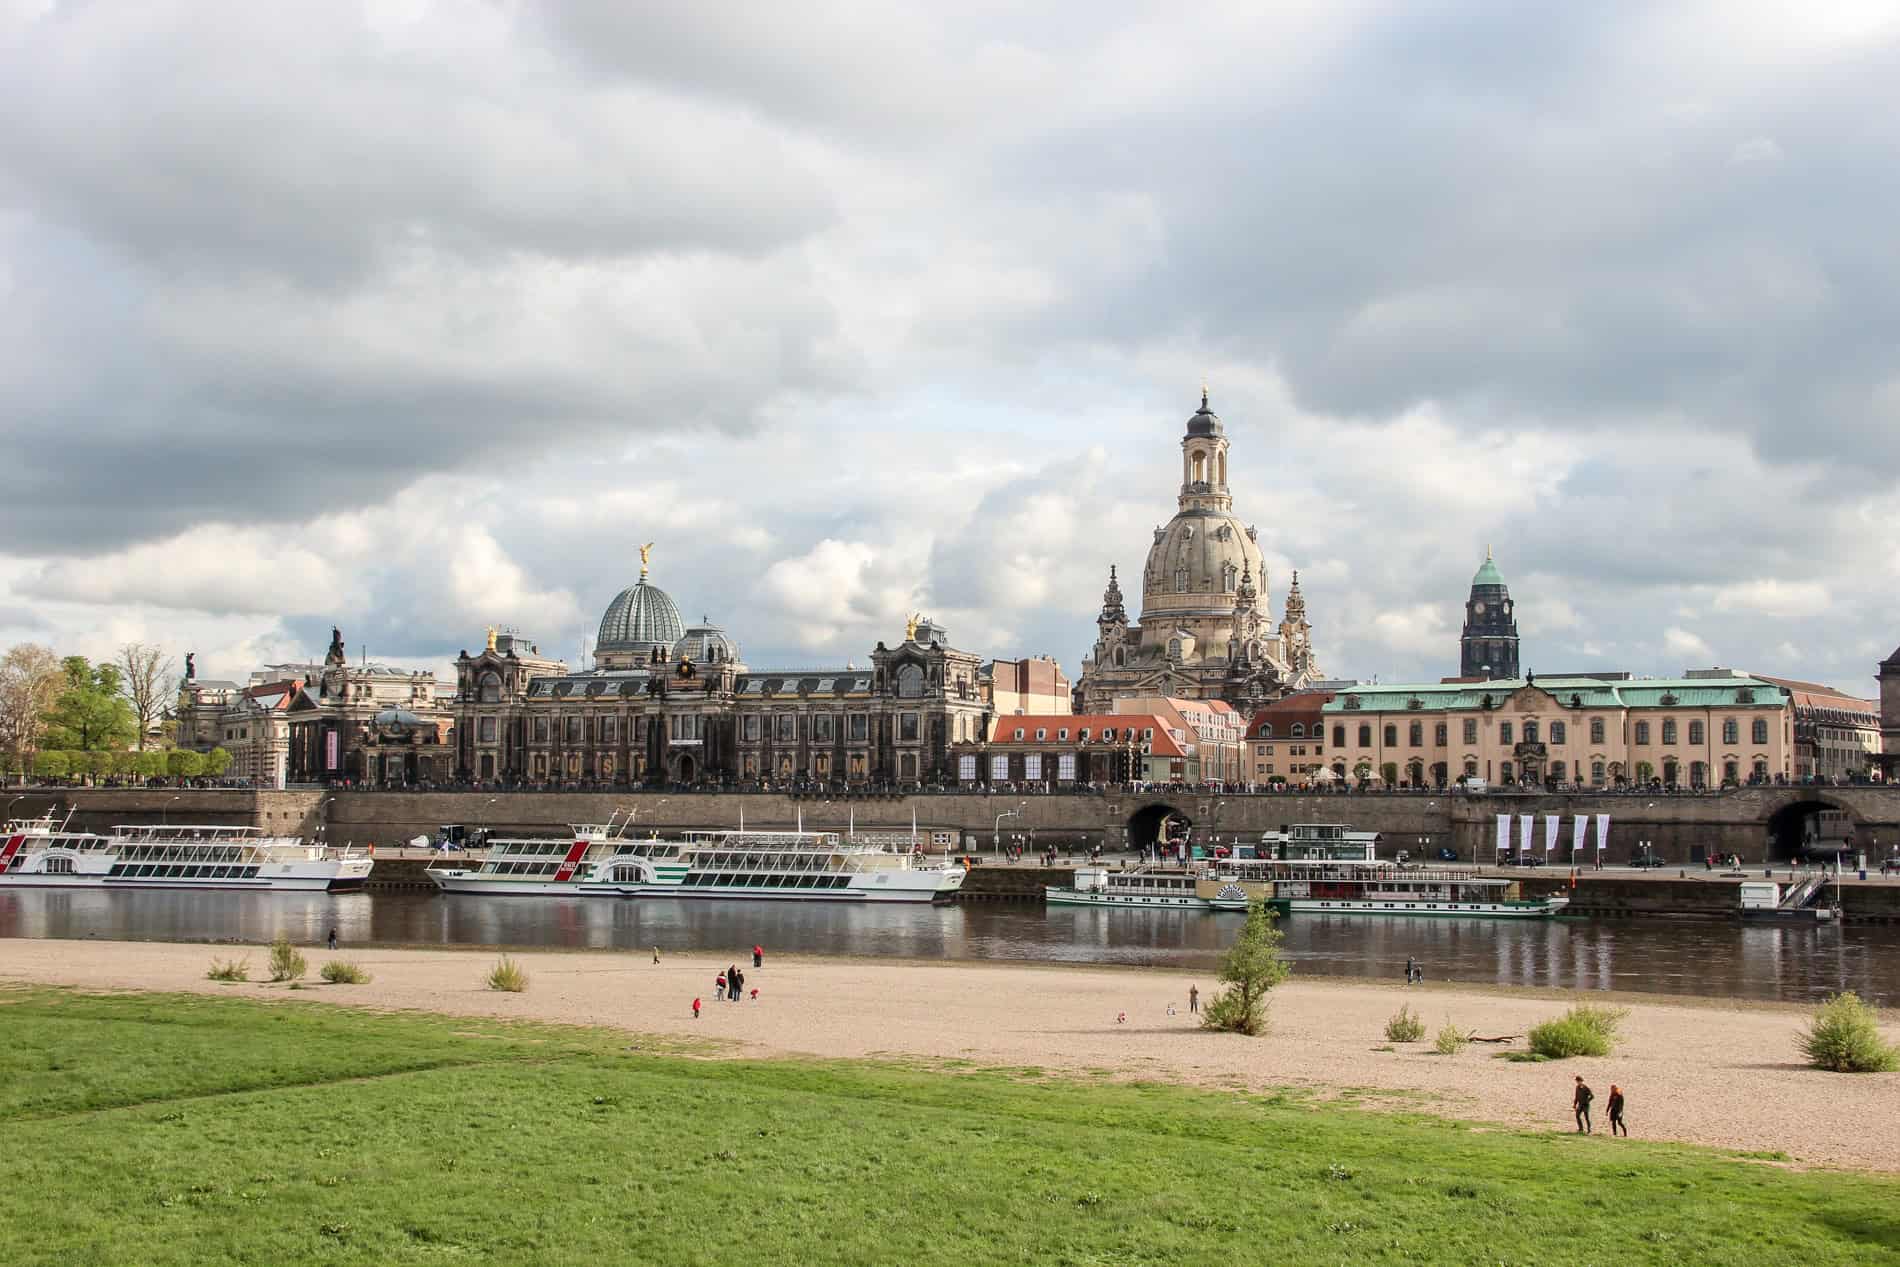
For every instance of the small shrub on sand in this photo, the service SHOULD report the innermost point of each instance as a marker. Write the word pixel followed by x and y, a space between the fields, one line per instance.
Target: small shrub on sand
pixel 507 975
pixel 1845 1038
pixel 1585 1030
pixel 1405 1026
pixel 1451 1040
pixel 1253 966
pixel 229 970
pixel 285 963
pixel 342 972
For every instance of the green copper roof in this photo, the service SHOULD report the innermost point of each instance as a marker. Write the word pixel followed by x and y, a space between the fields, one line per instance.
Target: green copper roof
pixel 1589 692
pixel 1488 573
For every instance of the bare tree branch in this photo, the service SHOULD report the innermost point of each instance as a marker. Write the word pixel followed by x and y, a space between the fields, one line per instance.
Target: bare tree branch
pixel 145 679
pixel 30 682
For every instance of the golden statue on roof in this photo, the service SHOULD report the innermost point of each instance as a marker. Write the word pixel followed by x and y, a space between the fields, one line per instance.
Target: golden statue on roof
pixel 646 552
pixel 910 626
pixel 492 631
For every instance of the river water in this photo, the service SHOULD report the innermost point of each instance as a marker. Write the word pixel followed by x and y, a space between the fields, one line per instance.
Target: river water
pixel 1709 958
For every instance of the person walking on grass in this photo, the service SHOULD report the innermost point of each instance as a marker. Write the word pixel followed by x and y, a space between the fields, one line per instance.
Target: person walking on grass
pixel 1194 999
pixel 1616 1112
pixel 1580 1102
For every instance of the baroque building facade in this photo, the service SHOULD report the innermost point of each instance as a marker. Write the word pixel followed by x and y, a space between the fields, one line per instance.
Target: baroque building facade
pixel 667 704
pixel 1206 629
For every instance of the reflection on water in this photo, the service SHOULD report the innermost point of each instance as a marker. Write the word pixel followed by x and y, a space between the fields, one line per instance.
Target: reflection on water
pixel 1676 957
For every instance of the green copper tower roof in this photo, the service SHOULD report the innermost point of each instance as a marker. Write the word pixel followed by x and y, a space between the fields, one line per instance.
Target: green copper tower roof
pixel 1488 573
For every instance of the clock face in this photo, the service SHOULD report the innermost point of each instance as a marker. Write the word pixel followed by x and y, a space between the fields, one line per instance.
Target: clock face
pixel 1477 609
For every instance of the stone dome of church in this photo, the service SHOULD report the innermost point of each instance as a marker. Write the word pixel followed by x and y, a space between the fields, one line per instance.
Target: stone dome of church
pixel 640 618
pixel 1205 422
pixel 1200 552
pixel 706 643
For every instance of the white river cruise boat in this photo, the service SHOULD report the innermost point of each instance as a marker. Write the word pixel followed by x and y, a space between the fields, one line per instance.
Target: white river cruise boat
pixel 775 865
pixel 1309 869
pixel 43 854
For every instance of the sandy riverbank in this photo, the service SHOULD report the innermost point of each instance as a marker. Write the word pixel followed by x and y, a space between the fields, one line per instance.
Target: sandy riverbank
pixel 1728 1077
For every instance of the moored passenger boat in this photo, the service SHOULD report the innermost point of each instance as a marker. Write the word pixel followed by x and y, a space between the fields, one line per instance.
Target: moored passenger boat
pixel 43 854
pixel 597 860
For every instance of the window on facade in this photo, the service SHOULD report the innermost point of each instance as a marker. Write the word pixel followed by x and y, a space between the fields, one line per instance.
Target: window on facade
pixel 1266 730
pixel 860 727
pixel 1108 734
pixel 821 728
pixel 488 730
pixel 1441 734
pixel 1596 773
pixel 1731 730
pixel 1669 730
pixel 1530 731
pixel 749 728
pixel 1504 732
pixel 1365 735
pixel 787 724
pixel 907 726
pixel 910 681
pixel 1018 736
pixel 1062 734
pixel 1761 769
pixel 1558 732
pixel 1642 732
pixel 1471 731
pixel 1415 734
pixel 573 730
pixel 1180 580
pixel 606 730
pixel 1339 736
pixel 540 730
pixel 1596 730
pixel 1695 732
pixel 491 688
pixel 1391 735
pixel 1041 734
pixel 1758 730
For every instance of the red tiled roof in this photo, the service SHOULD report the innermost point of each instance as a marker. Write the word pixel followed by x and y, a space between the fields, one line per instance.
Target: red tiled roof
pixel 1075 723
pixel 1284 712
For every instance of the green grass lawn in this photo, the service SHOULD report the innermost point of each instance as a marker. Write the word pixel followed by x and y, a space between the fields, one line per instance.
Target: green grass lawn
pixel 190 1130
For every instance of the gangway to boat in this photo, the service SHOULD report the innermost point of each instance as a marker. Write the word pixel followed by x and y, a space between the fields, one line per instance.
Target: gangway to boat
pixel 1804 894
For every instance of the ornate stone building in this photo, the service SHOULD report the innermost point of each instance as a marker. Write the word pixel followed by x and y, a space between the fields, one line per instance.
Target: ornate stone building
pixel 367 723
pixel 1487 648
pixel 668 704
pixel 1205 631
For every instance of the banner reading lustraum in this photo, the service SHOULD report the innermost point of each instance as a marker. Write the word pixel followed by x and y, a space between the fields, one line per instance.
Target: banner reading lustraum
pixel 1504 833
pixel 1603 833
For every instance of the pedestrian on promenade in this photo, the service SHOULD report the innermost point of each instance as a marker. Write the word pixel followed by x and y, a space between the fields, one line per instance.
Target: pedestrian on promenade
pixel 737 982
pixel 758 956
pixel 1616 1112
pixel 719 986
pixel 333 939
pixel 1580 1102
pixel 1194 998
pixel 695 1009
pixel 1411 966
pixel 656 954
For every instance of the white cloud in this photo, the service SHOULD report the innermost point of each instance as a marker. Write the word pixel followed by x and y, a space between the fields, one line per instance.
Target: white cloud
pixel 1756 149
pixel 1687 647
pixel 1773 597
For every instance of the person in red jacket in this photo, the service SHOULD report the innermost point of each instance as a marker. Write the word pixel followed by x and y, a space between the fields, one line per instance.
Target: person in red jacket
pixel 695 1009
pixel 758 956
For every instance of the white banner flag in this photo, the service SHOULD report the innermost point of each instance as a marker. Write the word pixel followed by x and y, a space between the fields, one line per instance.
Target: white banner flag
pixel 1504 833
pixel 1603 832
pixel 1552 824
pixel 1583 832
pixel 1524 822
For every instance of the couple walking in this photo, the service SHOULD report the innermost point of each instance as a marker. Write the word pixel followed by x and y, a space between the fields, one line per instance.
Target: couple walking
pixel 1580 1104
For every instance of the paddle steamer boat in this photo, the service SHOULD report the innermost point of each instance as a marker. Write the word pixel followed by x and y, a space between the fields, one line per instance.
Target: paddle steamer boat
pixel 41 853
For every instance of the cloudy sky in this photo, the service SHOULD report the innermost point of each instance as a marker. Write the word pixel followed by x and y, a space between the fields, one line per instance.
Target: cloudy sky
pixel 421 317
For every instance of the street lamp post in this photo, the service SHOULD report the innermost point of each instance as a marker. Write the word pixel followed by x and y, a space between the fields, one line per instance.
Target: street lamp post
pixel 996 831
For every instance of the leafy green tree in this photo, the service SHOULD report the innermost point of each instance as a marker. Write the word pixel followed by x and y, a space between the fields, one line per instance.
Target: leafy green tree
pixel 148 765
pixel 52 765
pixel 184 763
pixel 1253 966
pixel 90 714
pixel 217 761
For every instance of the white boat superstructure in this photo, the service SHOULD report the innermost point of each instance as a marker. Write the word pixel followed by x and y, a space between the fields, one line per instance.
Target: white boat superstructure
pixel 41 853
pixel 597 860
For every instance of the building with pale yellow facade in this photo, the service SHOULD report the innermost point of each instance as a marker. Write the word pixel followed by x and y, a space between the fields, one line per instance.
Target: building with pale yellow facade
pixel 1572 731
